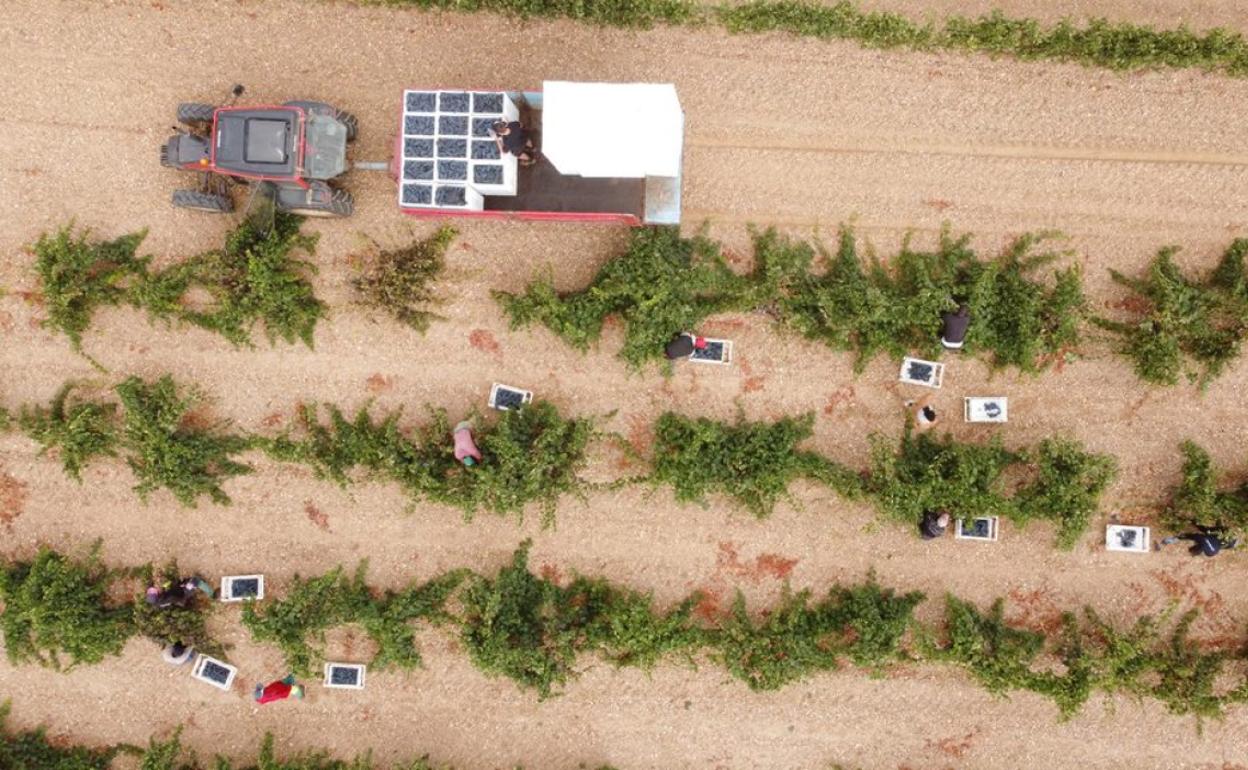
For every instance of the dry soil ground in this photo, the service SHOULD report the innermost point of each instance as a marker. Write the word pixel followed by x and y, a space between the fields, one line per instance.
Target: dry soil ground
pixel 801 134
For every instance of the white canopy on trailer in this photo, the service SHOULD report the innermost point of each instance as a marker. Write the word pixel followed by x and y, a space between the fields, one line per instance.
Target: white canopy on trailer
pixel 612 130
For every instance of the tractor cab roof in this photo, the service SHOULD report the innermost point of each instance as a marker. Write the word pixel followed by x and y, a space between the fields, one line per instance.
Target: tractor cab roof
pixel 257 142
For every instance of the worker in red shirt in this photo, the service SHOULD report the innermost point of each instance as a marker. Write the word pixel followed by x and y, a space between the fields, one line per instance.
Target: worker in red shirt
pixel 279 690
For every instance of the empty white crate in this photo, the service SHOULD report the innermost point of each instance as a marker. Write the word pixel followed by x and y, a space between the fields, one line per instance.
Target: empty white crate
pixel 987 408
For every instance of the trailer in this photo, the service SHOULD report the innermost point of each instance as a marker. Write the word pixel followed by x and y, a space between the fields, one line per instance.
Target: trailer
pixel 608 152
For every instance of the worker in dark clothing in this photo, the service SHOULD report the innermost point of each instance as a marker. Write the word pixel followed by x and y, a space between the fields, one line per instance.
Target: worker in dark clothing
pixel 511 137
pixel 934 524
pixel 954 326
pixel 1206 542
pixel 682 346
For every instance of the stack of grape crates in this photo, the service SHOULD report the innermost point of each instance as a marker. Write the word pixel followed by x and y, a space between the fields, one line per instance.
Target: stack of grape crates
pixel 450 159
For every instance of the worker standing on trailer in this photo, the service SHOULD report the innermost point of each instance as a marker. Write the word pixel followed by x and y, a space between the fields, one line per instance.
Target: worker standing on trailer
pixel 465 448
pixel 954 326
pixel 682 346
pixel 511 137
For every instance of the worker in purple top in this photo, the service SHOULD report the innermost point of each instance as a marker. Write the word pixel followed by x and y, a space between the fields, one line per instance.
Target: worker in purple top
pixel 511 137
pixel 954 326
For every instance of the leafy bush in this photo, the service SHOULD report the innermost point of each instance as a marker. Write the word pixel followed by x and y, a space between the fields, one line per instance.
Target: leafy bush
pixel 932 474
pixel 530 629
pixel 252 278
pixel 1098 42
pixel 1068 486
pixel 751 462
pixel 79 276
pixel 55 606
pixel 665 284
pixel 1196 501
pixel 529 455
pixel 398 281
pixel 166 450
pixel 865 623
pixel 170 625
pixel 79 433
pixel 30 750
pixel 314 605
pixel 662 285
pixel 1187 327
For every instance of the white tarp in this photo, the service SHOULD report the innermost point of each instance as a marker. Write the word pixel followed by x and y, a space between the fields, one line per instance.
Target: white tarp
pixel 612 129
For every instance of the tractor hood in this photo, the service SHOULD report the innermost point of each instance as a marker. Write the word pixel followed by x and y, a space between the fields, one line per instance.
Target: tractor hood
pixel 325 155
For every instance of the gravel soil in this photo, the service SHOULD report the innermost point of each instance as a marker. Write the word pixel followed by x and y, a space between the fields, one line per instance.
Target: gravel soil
pixel 801 134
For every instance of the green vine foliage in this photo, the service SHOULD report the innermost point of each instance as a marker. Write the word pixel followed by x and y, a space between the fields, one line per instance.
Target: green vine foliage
pixel 1067 488
pixel 80 275
pixel 55 610
pixel 315 605
pixel 531 630
pixel 1116 45
pixel 253 278
pixel 1184 326
pixel 865 623
pixel 665 284
pixel 397 281
pixel 165 449
pixel 78 432
pixel 1197 501
pixel 531 455
pixel 31 750
pixel 751 462
pixel 169 625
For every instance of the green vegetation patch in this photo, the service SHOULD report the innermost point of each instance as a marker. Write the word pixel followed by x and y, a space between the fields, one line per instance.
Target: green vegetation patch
pixel 78 432
pixel 1197 501
pixel 1183 325
pixel 398 281
pixel 31 750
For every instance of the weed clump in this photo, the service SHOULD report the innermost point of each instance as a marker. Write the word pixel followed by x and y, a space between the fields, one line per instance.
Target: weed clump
pixel 398 281
pixel 1185 326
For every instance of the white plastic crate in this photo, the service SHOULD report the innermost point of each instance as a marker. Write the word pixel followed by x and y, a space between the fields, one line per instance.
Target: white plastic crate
pixel 1128 539
pixel 344 676
pixel 916 371
pixel 215 672
pixel 505 398
pixel 982 528
pixel 237 588
pixel 715 352
pixel 987 409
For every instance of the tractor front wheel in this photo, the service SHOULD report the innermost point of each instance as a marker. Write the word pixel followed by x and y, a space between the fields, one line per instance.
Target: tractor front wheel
pixel 351 122
pixel 194 112
pixel 202 201
pixel 340 205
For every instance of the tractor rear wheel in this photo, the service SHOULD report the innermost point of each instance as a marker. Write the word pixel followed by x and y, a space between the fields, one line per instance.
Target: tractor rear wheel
pixel 340 205
pixel 202 201
pixel 351 122
pixel 194 112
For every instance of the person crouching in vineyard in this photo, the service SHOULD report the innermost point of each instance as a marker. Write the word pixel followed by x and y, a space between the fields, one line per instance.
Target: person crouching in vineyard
pixel 682 346
pixel 465 448
pixel 934 524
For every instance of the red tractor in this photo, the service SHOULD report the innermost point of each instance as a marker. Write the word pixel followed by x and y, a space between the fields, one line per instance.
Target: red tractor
pixel 295 150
